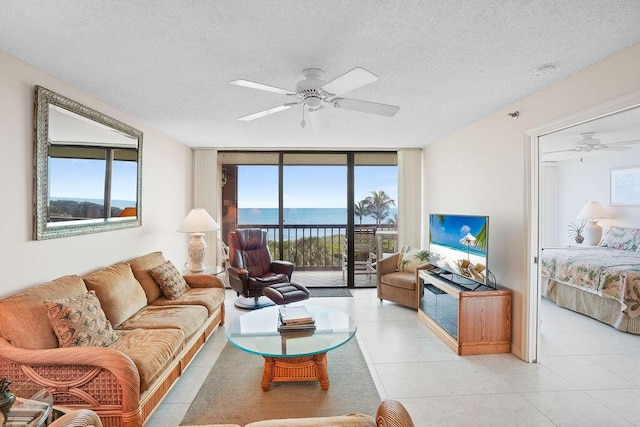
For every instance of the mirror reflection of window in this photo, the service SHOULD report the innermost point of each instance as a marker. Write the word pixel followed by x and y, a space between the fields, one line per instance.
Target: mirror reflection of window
pixel 92 169
pixel 123 183
pixel 77 187
pixel 87 170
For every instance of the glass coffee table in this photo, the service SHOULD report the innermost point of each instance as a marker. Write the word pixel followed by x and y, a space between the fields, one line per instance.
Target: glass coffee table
pixel 292 356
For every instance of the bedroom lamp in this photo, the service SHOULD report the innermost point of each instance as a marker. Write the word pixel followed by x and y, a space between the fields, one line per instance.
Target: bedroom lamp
pixel 592 212
pixel 197 223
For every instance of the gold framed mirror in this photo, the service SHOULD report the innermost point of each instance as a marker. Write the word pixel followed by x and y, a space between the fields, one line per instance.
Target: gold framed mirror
pixel 87 170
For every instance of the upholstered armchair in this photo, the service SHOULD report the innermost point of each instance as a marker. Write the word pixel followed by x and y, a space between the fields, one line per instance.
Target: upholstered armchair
pixel 251 268
pixel 398 282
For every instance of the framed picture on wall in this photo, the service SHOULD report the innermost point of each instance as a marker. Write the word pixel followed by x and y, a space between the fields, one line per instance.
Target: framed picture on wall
pixel 625 186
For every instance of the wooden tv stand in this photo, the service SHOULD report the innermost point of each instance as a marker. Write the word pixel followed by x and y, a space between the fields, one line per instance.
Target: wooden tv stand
pixel 468 321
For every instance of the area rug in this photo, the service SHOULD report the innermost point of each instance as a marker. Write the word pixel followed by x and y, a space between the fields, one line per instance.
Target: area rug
pixel 232 392
pixel 329 292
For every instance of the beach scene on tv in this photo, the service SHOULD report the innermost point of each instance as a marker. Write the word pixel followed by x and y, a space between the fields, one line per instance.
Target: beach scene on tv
pixel 458 244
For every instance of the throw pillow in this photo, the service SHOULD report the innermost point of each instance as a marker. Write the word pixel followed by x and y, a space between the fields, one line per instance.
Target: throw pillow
pixel 80 322
pixel 171 282
pixel 410 260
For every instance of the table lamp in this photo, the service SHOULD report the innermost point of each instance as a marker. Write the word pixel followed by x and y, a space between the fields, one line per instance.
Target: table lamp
pixel 197 223
pixel 592 212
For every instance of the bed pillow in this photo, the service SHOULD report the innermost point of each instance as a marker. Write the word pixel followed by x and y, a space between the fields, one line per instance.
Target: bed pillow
pixel 80 322
pixel 171 282
pixel 625 238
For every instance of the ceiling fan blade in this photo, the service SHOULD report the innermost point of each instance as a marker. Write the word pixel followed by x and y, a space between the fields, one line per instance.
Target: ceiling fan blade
pixel 366 106
pixel 614 148
pixel 631 141
pixel 267 112
pixel 349 81
pixel 569 150
pixel 254 85
pixel 318 119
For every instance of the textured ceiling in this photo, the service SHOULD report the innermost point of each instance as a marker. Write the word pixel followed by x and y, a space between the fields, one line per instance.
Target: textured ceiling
pixel 446 64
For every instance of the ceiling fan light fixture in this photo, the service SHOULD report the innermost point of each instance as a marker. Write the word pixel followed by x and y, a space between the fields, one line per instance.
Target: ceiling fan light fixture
pixel 312 102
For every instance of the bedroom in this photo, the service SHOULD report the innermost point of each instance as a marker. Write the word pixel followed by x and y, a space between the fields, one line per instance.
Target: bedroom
pixel 574 171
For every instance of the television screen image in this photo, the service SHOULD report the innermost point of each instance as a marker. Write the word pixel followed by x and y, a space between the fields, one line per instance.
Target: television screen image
pixel 458 244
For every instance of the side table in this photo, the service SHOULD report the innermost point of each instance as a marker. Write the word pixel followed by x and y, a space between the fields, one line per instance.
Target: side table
pixel 213 270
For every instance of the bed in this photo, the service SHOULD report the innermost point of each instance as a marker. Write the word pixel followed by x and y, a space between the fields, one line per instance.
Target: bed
pixel 602 282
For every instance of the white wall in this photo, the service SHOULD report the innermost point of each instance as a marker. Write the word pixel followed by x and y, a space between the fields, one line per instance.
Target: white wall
pixel 589 180
pixel 166 192
pixel 496 185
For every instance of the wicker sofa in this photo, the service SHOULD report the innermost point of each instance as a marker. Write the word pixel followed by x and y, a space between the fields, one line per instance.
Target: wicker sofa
pixel 156 339
pixel 390 413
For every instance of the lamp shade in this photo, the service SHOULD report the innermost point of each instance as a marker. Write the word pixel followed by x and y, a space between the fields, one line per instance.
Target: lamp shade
pixel 593 210
pixel 198 221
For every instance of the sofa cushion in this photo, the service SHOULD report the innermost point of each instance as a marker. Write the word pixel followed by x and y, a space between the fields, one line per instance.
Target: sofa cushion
pixel 140 267
pixel 352 420
pixel 151 350
pixel 187 318
pixel 118 290
pixel 400 279
pixel 211 298
pixel 169 279
pixel 37 333
pixel 80 321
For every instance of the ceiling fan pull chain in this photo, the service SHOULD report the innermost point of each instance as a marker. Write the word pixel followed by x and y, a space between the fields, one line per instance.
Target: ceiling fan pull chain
pixel 303 123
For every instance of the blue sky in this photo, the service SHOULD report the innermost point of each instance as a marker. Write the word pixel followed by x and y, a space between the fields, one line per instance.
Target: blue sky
pixel 311 186
pixel 454 228
pixel 84 179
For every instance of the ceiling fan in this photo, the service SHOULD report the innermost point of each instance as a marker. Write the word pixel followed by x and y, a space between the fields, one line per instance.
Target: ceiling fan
pixel 588 144
pixel 313 93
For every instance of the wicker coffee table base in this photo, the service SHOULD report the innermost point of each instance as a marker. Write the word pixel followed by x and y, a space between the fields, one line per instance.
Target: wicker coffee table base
pixel 293 369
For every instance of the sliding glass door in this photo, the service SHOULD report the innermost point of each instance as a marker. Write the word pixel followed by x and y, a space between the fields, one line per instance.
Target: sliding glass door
pixel 317 209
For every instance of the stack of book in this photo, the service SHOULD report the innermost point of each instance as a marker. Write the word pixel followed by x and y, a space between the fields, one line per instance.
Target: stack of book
pixel 21 417
pixel 295 318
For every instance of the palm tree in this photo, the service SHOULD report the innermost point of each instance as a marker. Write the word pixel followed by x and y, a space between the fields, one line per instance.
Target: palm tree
pixel 361 209
pixel 481 237
pixel 379 203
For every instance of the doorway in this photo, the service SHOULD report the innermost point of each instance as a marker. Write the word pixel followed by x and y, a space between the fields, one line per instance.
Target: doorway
pixel 563 177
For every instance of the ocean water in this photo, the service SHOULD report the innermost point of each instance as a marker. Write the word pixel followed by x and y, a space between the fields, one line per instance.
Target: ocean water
pixel 299 216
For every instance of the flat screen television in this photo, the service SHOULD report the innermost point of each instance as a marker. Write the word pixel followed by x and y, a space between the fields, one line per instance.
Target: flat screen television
pixel 458 244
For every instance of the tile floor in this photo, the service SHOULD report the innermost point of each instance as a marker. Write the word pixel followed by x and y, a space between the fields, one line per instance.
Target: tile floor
pixel 588 375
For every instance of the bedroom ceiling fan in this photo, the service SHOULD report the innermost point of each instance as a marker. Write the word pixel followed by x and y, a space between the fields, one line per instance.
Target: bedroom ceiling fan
pixel 588 144
pixel 313 93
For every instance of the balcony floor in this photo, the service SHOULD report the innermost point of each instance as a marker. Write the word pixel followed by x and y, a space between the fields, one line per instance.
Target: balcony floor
pixel 331 279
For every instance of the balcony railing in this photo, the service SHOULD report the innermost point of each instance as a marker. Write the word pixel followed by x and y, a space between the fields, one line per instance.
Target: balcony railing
pixel 320 246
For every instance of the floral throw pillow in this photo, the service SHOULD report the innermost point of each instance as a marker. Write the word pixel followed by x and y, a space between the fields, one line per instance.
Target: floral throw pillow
pixel 171 282
pixel 80 322
pixel 410 260
pixel 625 238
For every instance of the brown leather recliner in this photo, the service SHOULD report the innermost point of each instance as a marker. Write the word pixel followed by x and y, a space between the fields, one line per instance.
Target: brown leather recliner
pixel 251 268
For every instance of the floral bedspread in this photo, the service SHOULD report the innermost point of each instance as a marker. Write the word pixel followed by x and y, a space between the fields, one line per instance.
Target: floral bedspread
pixel 606 272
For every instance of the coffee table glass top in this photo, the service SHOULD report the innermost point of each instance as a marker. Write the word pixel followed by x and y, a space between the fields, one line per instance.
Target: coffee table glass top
pixel 257 332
